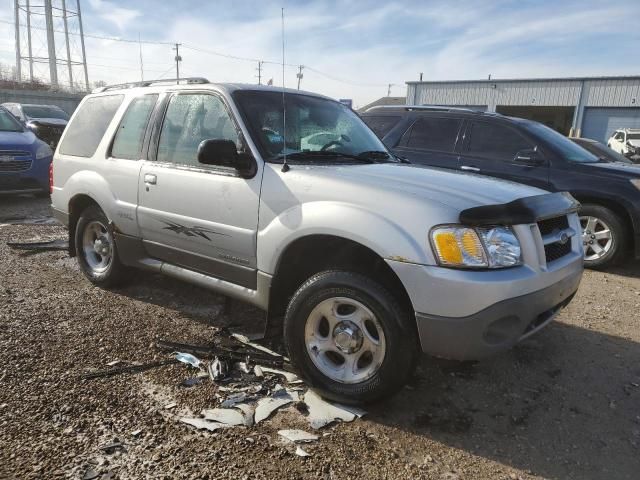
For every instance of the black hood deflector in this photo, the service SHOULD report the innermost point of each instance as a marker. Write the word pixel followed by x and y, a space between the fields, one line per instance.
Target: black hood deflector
pixel 523 210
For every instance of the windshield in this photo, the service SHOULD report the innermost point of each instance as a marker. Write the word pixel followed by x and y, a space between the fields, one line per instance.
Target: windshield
pixel 562 145
pixel 604 152
pixel 8 123
pixel 43 111
pixel 312 125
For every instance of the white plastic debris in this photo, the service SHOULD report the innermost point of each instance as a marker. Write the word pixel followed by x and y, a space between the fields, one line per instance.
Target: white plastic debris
pixel 171 405
pixel 322 413
pixel 257 371
pixel 301 452
pixel 291 378
pixel 201 423
pixel 228 416
pixel 244 339
pixel 266 406
pixel 188 359
pixel 242 366
pixel 113 364
pixel 217 369
pixel 298 436
pixel 135 433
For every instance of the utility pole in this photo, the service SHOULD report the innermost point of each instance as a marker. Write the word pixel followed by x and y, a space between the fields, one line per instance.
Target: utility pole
pixel 178 60
pixel 389 89
pixel 300 75
pixel 141 65
pixel 66 42
pixel 420 76
pixel 16 6
pixel 259 69
pixel 84 53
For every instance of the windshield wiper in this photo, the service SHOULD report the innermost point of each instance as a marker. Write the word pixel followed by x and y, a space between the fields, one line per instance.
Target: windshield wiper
pixel 326 155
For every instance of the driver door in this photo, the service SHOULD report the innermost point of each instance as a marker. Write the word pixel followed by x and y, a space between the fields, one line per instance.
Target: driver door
pixel 201 217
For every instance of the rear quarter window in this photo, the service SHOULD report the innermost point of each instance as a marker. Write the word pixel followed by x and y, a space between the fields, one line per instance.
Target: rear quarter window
pixel 381 124
pixel 83 134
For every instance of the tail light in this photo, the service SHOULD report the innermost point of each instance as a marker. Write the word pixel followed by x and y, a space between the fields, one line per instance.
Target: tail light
pixel 51 177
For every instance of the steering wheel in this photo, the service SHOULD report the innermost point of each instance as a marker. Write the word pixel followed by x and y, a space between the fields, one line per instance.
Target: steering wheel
pixel 332 143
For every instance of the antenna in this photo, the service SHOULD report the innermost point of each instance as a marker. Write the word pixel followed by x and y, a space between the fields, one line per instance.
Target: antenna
pixel 285 167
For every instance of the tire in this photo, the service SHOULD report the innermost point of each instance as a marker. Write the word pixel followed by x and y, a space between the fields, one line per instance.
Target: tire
pixel 104 270
pixel 599 251
pixel 312 341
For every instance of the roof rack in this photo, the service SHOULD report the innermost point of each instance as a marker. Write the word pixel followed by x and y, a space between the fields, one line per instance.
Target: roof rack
pixel 148 83
pixel 414 108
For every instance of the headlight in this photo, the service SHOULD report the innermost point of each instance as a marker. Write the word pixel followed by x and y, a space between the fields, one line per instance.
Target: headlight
pixel 464 247
pixel 635 182
pixel 43 151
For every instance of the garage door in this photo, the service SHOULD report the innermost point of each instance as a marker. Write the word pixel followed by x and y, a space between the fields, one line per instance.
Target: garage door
pixel 600 123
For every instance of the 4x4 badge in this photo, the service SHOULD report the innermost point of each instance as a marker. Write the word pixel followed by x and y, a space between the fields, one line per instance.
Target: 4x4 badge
pixel 190 231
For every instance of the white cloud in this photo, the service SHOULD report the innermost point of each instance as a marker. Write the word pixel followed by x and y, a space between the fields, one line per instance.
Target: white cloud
pixel 121 17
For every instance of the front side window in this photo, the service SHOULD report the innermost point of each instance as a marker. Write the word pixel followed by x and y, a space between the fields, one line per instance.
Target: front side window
pixel 190 119
pixel 381 124
pixel 317 129
pixel 8 123
pixel 82 136
pixel 436 134
pixel 564 147
pixel 497 142
pixel 128 140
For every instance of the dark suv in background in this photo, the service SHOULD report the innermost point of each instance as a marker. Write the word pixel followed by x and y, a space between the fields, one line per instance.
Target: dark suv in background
pixel 46 121
pixel 527 152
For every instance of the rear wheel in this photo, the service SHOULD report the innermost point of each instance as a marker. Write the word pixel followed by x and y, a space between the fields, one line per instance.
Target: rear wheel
pixel 349 337
pixel 603 236
pixel 96 249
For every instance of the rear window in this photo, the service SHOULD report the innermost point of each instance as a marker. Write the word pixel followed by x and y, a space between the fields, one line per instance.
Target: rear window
pixel 437 134
pixel 87 128
pixel 381 124
pixel 44 111
pixel 130 134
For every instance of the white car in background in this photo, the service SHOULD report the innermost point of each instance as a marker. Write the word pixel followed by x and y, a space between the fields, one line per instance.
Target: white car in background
pixel 626 141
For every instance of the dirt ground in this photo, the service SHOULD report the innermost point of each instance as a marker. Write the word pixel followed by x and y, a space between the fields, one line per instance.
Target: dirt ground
pixel 562 405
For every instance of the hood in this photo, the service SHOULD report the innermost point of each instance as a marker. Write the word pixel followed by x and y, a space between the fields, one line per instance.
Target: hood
pixel 58 122
pixel 14 140
pixel 459 190
pixel 613 169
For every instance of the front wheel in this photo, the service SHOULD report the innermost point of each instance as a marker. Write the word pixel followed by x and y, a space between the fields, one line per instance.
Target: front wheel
pixel 603 236
pixel 349 337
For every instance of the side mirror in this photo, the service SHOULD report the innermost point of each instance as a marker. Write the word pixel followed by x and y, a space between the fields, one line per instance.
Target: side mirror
pixel 224 153
pixel 529 156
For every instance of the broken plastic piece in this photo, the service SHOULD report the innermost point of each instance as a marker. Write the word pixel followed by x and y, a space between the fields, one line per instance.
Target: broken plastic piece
pixel 113 364
pixel 322 413
pixel 59 244
pixel 242 366
pixel 244 339
pixel 257 371
pixel 171 405
pixel 231 400
pixel 201 423
pixel 290 377
pixel 217 369
pixel 188 359
pixel 301 452
pixel 190 382
pixel 241 414
pixel 298 436
pixel 266 406
pixel 135 433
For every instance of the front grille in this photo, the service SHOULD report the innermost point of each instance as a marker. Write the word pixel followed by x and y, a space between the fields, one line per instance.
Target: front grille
pixel 556 250
pixel 550 225
pixel 551 228
pixel 14 161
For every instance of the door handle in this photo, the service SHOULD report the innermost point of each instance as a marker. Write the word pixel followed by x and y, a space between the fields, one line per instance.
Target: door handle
pixel 150 179
pixel 469 169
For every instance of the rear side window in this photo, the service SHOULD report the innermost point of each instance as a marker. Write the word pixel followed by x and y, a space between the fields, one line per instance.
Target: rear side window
pixel 438 134
pixel 127 143
pixel 496 141
pixel 87 128
pixel 381 124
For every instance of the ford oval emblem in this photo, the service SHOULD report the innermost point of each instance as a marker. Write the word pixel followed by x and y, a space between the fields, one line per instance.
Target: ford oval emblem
pixel 564 238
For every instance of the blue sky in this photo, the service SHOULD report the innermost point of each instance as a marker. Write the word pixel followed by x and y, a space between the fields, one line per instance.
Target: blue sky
pixel 356 48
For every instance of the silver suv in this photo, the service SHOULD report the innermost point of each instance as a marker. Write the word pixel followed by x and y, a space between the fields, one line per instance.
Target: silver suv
pixel 286 200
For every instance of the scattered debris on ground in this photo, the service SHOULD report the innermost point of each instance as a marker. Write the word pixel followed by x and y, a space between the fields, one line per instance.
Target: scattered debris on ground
pixel 46 246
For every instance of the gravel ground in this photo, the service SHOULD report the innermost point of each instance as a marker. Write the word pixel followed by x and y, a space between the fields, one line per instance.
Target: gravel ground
pixel 564 404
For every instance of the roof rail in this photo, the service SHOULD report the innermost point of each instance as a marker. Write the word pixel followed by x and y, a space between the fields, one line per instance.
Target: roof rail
pixel 413 108
pixel 147 83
